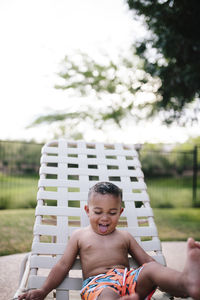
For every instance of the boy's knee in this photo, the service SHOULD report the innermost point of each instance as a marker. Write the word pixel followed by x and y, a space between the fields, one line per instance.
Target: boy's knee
pixel 146 276
pixel 153 265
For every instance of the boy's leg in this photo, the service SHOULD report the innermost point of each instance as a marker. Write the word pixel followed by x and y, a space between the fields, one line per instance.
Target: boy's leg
pixel 130 297
pixel 180 284
pixel 108 293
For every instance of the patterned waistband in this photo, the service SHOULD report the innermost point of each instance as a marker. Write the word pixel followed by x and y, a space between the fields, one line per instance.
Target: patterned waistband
pixel 87 281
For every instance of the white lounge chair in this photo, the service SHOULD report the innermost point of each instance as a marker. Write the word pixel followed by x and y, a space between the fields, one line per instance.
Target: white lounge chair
pixel 68 170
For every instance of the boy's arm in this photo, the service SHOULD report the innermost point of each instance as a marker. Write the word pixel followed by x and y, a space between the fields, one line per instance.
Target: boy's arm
pixel 59 271
pixel 137 252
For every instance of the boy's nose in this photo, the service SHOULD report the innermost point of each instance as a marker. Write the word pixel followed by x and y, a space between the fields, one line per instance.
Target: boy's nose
pixel 104 217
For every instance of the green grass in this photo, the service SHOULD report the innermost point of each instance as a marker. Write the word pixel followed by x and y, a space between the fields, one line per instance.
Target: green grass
pixel 170 192
pixel 17 191
pixel 20 192
pixel 178 224
pixel 16 232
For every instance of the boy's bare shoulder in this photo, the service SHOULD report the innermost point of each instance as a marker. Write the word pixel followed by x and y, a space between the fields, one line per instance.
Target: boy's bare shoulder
pixel 78 233
pixel 125 234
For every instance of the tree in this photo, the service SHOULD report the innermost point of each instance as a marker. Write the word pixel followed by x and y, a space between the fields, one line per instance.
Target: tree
pixel 102 90
pixel 175 38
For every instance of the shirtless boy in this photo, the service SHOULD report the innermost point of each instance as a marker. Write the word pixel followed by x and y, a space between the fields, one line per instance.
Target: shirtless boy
pixel 104 250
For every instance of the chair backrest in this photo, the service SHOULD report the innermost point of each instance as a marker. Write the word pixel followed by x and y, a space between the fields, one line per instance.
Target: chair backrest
pixel 68 170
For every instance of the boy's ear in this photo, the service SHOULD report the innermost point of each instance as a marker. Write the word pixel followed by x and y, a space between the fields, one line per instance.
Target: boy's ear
pixel 86 207
pixel 121 210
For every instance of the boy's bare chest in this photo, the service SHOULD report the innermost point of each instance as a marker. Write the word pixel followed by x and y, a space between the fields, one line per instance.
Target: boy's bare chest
pixel 103 245
pixel 101 253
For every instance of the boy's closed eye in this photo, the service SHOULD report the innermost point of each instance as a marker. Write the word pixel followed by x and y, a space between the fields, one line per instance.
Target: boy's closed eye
pixel 97 212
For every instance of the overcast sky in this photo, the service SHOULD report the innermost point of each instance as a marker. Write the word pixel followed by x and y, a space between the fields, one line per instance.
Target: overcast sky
pixel 35 36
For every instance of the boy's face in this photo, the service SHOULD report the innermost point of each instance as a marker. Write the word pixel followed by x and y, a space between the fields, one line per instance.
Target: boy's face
pixel 103 212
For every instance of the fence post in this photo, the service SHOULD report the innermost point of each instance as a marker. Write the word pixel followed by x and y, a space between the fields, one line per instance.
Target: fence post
pixel 194 176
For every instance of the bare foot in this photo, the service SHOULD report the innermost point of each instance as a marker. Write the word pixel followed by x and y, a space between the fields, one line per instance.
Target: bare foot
pixel 192 269
pixel 130 297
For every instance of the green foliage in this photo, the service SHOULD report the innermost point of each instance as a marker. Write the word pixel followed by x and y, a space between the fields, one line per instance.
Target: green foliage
pixel 178 160
pixel 194 141
pixel 159 76
pixel 175 38
pixel 187 160
pixel 19 157
pixel 155 163
pixel 101 91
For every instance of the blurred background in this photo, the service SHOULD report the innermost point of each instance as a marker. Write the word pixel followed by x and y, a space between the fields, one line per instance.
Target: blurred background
pixel 82 63
pixel 110 71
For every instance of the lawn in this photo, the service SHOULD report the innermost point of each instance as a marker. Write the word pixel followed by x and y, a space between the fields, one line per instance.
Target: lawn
pixel 17 227
pixel 178 224
pixel 20 192
pixel 16 230
pixel 170 192
pixel 175 223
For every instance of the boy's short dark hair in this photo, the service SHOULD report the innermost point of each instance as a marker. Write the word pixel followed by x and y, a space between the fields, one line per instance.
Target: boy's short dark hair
pixel 104 188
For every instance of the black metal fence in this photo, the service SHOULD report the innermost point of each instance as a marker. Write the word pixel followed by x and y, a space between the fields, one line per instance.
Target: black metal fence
pixel 172 177
pixel 19 166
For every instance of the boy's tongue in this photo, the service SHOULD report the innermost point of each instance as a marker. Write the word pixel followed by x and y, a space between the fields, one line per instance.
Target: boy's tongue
pixel 103 228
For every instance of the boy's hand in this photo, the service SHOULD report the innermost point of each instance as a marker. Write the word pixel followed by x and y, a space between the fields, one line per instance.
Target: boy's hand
pixel 33 295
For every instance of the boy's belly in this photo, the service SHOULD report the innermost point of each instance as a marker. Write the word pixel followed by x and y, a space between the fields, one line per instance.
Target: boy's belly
pixel 88 272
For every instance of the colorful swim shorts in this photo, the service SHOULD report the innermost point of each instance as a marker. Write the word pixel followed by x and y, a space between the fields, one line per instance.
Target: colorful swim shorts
pixel 121 281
